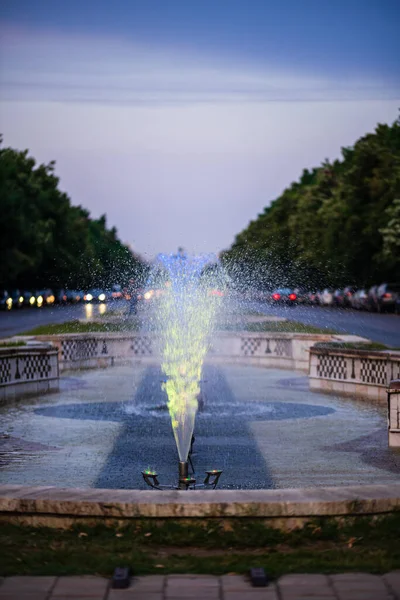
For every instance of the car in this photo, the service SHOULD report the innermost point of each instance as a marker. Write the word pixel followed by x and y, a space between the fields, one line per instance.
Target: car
pixel 359 300
pixel 95 295
pixel 45 297
pixel 348 291
pixel 17 299
pixel 74 296
pixel 29 298
pixel 284 296
pixel 326 297
pixel 388 294
pixel 117 292
pixel 338 298
pixel 313 297
pixel 302 296
pixel 5 300
pixel 373 298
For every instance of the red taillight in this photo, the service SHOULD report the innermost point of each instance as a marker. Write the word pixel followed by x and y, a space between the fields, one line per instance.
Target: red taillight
pixel 276 296
pixel 64 297
pixel 387 295
pixel 292 296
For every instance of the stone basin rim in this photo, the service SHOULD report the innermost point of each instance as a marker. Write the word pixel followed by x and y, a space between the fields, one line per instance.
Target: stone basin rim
pixel 17 500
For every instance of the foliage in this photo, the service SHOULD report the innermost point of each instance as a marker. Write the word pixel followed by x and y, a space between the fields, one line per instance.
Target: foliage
pixel 45 241
pixel 338 225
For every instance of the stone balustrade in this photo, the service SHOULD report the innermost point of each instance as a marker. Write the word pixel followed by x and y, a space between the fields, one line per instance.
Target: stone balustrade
pixel 362 373
pixel 92 350
pixel 28 370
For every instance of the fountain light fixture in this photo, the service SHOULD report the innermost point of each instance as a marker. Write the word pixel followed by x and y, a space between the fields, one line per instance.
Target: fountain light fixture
pixel 185 481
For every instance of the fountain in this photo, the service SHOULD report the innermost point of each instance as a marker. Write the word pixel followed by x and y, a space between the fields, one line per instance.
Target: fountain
pixel 185 315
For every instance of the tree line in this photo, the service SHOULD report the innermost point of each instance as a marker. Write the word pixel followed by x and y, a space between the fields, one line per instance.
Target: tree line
pixel 45 241
pixel 339 224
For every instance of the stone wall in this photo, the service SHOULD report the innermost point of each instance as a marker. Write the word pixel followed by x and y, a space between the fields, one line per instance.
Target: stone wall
pixel 285 350
pixel 280 350
pixel 28 370
pixel 361 373
pixel 284 509
pixel 94 350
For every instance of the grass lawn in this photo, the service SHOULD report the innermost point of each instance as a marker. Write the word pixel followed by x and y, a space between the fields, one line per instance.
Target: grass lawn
pixel 134 325
pixel 80 327
pixel 354 346
pixel 11 344
pixel 203 547
pixel 276 326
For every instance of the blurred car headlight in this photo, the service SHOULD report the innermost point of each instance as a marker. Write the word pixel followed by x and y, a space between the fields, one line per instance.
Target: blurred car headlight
pixel 9 302
pixel 32 300
pixel 21 299
pixel 88 297
pixel 102 297
pixel 39 300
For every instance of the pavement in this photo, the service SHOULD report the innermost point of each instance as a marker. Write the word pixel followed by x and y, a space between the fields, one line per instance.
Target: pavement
pixel 105 426
pixel 346 586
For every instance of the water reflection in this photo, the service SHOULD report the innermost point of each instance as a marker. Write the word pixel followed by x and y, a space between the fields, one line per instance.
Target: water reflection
pixel 95 310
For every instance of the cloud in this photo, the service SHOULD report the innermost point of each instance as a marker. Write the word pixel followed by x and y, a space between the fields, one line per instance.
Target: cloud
pixel 42 66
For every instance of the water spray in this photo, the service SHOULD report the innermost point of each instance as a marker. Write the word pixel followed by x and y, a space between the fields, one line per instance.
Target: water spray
pixel 186 315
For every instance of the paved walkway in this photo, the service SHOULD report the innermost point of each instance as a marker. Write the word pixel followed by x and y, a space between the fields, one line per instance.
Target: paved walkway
pixel 349 586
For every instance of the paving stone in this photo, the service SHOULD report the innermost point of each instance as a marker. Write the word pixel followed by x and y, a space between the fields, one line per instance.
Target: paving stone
pixel 192 592
pixel 308 579
pixel 80 597
pixel 86 586
pixel 25 584
pixel 392 580
pixel 232 583
pixel 150 583
pixel 364 595
pixel 198 580
pixel 354 577
pixel 305 593
pixel 131 594
pixel 252 594
pixel 23 595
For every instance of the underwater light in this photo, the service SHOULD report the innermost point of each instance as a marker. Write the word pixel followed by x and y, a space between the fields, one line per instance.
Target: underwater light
pixel 185 481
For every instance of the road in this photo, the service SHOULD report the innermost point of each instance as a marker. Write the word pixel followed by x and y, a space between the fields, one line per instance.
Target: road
pixel 383 328
pixel 18 321
pixel 376 327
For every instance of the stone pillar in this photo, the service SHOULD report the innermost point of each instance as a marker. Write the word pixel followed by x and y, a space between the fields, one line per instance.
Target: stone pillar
pixel 394 413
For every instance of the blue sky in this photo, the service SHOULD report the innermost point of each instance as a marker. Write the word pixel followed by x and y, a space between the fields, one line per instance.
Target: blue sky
pixel 182 120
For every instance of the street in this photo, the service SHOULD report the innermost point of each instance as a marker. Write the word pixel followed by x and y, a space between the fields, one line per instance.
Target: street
pixel 383 328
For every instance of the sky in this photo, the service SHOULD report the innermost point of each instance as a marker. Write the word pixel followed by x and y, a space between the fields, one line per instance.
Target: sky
pixel 182 120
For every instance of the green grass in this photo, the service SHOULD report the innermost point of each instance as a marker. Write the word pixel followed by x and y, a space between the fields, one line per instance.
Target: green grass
pixel 79 327
pixel 11 344
pixel 275 326
pixel 203 546
pixel 134 325
pixel 354 346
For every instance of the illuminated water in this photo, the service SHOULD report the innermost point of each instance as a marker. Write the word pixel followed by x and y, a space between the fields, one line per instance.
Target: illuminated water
pixel 185 314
